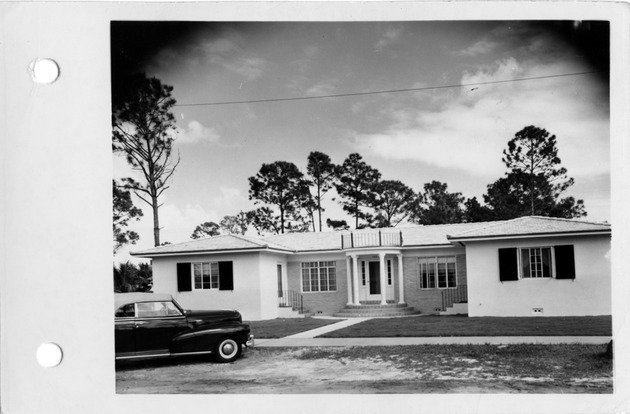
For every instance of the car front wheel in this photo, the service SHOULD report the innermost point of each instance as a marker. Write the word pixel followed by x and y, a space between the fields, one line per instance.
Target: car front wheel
pixel 227 350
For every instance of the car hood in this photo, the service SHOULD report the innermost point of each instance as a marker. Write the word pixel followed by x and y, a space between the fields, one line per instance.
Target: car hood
pixel 214 316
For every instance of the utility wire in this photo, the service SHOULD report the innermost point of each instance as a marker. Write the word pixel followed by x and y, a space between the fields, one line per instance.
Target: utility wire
pixel 303 98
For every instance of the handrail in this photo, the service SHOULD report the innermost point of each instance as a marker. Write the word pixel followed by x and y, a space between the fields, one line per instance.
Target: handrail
pixel 456 295
pixel 291 299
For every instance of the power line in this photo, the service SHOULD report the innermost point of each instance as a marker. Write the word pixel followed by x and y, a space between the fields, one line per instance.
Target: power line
pixel 303 98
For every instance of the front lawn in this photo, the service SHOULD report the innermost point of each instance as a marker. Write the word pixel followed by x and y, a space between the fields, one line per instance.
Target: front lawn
pixel 432 326
pixel 281 327
pixel 422 369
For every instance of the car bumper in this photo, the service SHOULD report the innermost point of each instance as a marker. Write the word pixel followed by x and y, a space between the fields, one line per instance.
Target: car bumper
pixel 250 341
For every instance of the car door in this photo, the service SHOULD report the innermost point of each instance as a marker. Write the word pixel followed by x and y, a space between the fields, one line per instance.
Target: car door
pixel 156 324
pixel 125 331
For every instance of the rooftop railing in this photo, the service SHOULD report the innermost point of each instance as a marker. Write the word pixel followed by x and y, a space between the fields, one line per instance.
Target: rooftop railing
pixel 372 239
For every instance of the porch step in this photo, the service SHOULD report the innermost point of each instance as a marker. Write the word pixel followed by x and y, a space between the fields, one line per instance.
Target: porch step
pixel 456 309
pixel 288 312
pixel 374 310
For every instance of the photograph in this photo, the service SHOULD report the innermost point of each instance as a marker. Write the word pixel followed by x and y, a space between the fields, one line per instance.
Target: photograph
pixel 362 207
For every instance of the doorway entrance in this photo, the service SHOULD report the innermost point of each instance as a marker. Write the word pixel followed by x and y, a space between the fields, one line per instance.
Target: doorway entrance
pixel 370 280
pixel 374 274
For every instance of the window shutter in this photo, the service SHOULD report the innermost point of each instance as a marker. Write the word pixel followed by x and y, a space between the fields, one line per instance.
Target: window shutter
pixel 184 278
pixel 508 264
pixel 565 262
pixel 226 278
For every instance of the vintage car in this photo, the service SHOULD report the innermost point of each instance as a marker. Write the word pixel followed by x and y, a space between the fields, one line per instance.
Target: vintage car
pixel 155 325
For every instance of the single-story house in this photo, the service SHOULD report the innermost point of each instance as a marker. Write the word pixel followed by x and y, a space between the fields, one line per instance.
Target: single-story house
pixel 529 266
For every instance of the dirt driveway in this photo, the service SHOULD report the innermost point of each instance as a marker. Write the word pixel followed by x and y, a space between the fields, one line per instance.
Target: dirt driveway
pixel 344 371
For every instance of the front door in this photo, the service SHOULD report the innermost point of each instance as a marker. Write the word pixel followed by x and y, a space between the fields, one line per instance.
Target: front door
pixel 375 279
pixel 369 280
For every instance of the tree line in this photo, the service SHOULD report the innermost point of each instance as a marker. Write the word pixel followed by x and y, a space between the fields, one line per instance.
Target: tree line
pixel 289 200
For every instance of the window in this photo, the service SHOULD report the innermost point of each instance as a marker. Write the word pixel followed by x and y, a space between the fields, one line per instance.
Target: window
pixel 440 272
pixel 363 273
pixel 279 272
pixel 389 272
pixel 206 275
pixel 556 262
pixel 127 311
pixel 157 309
pixel 319 276
pixel 535 262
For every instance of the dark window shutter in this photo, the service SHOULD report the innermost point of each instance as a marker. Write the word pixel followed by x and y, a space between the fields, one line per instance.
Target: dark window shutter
pixel 508 264
pixel 565 262
pixel 226 278
pixel 184 278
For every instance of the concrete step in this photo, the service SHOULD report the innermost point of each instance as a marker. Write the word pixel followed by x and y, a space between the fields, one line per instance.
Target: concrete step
pixel 374 311
pixel 287 312
pixel 377 306
pixel 374 315
pixel 456 309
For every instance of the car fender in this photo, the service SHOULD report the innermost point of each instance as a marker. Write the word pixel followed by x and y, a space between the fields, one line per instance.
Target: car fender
pixel 206 339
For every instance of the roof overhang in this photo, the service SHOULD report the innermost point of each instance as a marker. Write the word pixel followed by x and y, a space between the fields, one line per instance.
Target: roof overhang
pixel 207 252
pixel 527 236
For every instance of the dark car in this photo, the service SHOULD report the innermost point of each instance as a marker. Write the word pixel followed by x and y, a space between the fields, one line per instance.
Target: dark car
pixel 155 325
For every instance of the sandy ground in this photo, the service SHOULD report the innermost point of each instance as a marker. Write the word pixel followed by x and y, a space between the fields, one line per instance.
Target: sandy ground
pixel 283 372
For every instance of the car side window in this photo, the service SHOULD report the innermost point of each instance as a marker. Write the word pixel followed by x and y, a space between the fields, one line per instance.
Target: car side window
pixel 171 309
pixel 157 309
pixel 126 311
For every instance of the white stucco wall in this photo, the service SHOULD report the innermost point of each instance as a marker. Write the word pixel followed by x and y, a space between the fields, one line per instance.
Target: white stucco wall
pixel 588 294
pixel 255 284
pixel 268 293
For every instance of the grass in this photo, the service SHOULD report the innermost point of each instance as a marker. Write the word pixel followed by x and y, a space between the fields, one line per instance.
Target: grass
pixel 435 326
pixel 281 327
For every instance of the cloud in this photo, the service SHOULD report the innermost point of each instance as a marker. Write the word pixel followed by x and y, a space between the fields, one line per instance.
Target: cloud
pixel 305 61
pixel 228 51
pixel 228 196
pixel 322 88
pixel 195 132
pixel 179 223
pixel 389 36
pixel 470 130
pixel 250 68
pixel 481 47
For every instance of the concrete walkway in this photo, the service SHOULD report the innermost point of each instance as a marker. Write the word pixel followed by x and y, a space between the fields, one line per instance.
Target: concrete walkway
pixel 308 338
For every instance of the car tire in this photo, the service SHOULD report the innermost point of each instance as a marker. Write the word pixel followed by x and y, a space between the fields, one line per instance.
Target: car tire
pixel 227 350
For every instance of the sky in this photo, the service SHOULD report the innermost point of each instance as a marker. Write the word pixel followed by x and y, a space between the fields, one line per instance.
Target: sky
pixel 437 131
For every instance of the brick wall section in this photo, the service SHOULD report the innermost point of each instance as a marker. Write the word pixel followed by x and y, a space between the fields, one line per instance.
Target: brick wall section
pixel 328 303
pixel 427 300
pixel 322 303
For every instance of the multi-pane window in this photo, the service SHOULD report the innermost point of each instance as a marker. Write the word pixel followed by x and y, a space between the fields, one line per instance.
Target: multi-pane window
pixel 206 275
pixel 319 276
pixel 427 272
pixel 440 272
pixel 551 262
pixel 363 273
pixel 536 262
pixel 389 272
